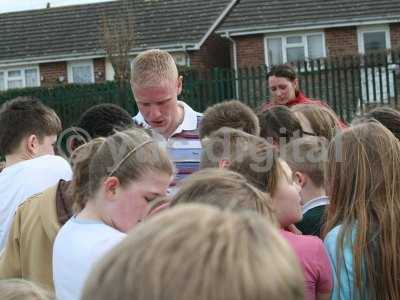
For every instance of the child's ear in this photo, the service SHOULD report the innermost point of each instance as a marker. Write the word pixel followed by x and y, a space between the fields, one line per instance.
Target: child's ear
pixel 110 186
pixel 300 179
pixel 32 144
pixel 224 163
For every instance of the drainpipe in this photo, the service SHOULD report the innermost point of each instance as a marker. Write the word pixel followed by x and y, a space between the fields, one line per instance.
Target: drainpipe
pixel 187 56
pixel 235 64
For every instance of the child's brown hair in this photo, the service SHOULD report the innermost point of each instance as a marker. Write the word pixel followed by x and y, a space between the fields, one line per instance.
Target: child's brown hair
pixel 323 120
pixel 232 114
pixel 23 116
pixel 307 155
pixel 279 125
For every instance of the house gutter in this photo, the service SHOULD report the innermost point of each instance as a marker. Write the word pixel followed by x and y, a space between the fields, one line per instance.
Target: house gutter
pixel 280 28
pixel 234 48
pixel 85 56
pixel 235 64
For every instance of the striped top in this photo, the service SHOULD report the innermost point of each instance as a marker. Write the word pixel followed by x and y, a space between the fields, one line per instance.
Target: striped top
pixel 183 146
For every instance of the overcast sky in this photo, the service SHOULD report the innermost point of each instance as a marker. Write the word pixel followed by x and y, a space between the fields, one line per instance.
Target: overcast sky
pixel 18 5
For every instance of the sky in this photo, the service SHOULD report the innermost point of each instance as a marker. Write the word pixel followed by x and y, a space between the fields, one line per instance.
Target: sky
pixel 18 5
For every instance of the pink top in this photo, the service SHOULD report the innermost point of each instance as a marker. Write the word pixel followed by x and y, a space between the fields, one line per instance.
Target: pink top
pixel 314 261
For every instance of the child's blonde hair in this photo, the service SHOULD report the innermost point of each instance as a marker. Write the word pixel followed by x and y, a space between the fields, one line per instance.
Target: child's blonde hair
pixel 153 66
pixel 126 155
pixel 198 252
pixel 20 289
pixel 363 182
pixel 224 189
pixel 249 155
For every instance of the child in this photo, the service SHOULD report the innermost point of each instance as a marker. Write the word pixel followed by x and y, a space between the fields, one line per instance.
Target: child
pixel 224 189
pixel 199 252
pixel 279 125
pixel 387 116
pixel 232 114
pixel 319 120
pixel 259 162
pixel 114 179
pixel 28 251
pixel 28 132
pixel 362 236
pixel 306 157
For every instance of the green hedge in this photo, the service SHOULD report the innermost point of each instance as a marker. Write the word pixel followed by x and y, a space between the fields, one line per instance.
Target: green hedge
pixel 70 101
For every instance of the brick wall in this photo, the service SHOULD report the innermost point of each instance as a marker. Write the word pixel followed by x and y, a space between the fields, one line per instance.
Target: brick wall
pixel 213 53
pixel 395 36
pixel 341 41
pixel 99 65
pixel 250 50
pixel 51 72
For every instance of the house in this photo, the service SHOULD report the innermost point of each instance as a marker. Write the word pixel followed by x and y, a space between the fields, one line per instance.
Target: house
pixel 63 44
pixel 277 31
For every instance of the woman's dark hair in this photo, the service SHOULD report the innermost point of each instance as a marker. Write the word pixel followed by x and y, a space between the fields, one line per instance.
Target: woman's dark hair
pixel 285 70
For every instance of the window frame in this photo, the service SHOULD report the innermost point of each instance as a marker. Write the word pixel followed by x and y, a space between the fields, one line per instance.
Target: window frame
pixel 21 77
pixel 79 63
pixel 304 44
pixel 361 30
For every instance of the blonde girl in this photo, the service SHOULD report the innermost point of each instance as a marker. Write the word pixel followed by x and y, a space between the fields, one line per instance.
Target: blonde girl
pixel 114 180
pixel 363 219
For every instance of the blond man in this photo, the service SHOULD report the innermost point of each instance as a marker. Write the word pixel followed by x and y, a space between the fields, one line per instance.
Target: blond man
pixel 156 86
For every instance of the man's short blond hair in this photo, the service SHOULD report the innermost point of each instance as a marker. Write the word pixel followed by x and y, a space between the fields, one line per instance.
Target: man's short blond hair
pixel 153 66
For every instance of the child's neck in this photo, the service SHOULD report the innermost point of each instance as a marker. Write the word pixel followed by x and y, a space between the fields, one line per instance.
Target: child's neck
pixel 15 158
pixel 90 212
pixel 310 193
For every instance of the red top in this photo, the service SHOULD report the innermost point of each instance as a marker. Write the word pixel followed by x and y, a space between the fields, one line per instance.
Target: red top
pixel 300 99
pixel 314 261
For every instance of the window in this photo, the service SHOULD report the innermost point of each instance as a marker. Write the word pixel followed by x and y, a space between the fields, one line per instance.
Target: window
pixel 2 83
pixel 294 47
pixel 180 58
pixel 373 38
pixel 80 72
pixel 19 78
pixel 376 87
pixel 15 79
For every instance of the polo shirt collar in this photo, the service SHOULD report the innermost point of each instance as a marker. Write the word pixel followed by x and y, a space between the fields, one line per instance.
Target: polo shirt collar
pixel 189 119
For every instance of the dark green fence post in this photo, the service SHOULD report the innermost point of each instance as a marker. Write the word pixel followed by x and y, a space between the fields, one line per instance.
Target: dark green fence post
pixel 312 78
pixel 326 72
pixel 319 79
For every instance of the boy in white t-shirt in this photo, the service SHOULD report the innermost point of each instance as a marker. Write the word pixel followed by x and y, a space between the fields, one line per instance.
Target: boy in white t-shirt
pixel 28 131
